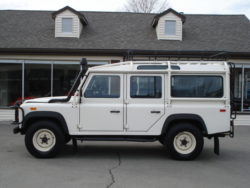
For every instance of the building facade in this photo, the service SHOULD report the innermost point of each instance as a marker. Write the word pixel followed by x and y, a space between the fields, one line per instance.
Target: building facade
pixel 40 50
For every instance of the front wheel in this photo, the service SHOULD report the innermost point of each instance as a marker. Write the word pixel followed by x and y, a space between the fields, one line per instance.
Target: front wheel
pixel 44 139
pixel 184 141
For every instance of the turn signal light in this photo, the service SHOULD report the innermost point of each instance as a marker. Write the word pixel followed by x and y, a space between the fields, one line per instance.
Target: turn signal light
pixel 32 108
pixel 222 110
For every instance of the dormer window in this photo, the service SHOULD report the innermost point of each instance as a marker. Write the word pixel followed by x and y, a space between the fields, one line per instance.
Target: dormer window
pixel 68 22
pixel 170 27
pixel 67 25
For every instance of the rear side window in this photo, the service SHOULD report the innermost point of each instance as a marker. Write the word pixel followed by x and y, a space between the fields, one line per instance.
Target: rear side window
pixel 197 86
pixel 145 87
pixel 103 86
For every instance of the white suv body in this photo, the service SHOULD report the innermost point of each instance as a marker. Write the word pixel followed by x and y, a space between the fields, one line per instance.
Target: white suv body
pixel 131 100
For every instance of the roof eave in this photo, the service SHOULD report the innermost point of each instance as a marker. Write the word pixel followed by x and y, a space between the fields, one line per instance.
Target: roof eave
pixel 80 15
pixel 124 52
pixel 157 17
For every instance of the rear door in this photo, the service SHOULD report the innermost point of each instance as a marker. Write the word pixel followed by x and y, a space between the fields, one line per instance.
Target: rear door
pixel 144 101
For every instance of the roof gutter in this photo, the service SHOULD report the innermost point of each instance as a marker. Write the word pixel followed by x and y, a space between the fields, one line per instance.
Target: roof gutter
pixel 123 52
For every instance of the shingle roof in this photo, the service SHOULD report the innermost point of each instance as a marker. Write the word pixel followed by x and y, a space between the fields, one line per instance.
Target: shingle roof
pixel 120 31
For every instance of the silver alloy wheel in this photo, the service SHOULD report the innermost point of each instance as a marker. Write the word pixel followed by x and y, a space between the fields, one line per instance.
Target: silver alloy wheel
pixel 44 140
pixel 184 142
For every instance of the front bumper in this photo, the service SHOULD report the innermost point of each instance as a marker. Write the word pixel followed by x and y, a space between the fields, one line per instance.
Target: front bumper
pixel 19 116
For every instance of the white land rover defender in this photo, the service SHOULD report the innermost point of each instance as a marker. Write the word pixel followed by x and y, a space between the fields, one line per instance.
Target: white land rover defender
pixel 177 103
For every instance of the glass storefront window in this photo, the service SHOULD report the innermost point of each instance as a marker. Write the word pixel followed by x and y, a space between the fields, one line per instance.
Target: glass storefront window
pixel 238 88
pixel 64 77
pixel 246 91
pixel 37 80
pixel 242 88
pixel 10 84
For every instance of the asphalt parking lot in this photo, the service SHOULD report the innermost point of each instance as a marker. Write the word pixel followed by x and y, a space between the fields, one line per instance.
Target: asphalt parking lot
pixel 124 164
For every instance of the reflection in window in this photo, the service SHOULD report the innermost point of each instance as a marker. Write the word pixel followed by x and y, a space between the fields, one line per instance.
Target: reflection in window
pixel 238 88
pixel 103 86
pixel 197 86
pixel 145 87
pixel 246 97
pixel 10 84
pixel 37 80
pixel 64 77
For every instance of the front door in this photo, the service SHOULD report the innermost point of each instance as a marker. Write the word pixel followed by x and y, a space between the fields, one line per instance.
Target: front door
pixel 102 105
pixel 145 101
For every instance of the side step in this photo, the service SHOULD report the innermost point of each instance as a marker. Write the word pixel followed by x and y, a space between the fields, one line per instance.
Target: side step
pixel 118 138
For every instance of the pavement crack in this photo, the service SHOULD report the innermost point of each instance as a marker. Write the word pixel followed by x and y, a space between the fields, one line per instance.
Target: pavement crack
pixel 113 181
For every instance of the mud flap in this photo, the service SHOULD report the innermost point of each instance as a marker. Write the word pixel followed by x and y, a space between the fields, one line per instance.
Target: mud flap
pixel 75 147
pixel 216 145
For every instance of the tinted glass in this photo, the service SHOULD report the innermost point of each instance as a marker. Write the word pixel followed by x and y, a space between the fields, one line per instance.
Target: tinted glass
pixel 10 84
pixel 152 67
pixel 37 80
pixel 197 86
pixel 64 77
pixel 103 87
pixel 145 87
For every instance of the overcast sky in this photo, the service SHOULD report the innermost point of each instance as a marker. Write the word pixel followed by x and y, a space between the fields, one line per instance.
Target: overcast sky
pixel 186 6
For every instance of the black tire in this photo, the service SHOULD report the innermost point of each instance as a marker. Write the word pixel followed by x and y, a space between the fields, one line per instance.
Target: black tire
pixel 44 139
pixel 184 141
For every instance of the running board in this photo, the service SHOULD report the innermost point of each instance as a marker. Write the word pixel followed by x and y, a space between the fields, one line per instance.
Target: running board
pixel 117 138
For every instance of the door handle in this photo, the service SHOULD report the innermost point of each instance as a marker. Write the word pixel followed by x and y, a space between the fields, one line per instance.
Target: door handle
pixel 115 111
pixel 155 112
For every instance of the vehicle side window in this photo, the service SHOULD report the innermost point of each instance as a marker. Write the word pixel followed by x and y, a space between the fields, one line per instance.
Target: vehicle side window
pixel 197 86
pixel 103 86
pixel 145 87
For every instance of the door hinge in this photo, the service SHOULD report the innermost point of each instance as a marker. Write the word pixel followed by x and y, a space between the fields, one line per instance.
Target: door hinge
pixel 126 101
pixel 126 127
pixel 79 127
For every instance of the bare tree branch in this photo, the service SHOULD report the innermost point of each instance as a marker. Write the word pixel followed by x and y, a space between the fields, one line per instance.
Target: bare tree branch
pixel 146 6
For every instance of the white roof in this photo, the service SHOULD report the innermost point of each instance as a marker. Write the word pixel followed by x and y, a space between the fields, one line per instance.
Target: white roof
pixel 176 66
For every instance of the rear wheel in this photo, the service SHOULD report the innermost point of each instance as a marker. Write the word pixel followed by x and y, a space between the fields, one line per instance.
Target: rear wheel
pixel 184 141
pixel 44 139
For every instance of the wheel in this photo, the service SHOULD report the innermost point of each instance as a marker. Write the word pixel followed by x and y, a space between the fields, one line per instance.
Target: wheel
pixel 44 139
pixel 184 141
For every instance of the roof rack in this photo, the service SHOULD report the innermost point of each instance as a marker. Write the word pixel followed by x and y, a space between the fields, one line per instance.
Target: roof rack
pixel 162 63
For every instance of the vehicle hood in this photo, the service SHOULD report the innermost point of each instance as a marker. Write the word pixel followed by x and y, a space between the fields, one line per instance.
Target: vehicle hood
pixel 43 99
